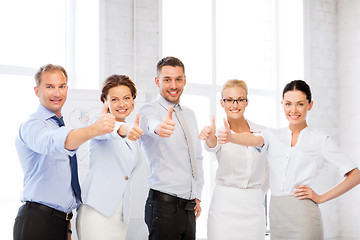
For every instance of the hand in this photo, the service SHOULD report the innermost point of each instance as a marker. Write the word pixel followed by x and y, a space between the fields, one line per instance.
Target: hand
pixel 106 122
pixel 135 132
pixel 305 192
pixel 167 126
pixel 197 209
pixel 69 231
pixel 208 131
pixel 224 134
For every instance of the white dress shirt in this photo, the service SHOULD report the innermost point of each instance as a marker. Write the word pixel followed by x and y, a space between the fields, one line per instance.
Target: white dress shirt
pixel 290 167
pixel 169 158
pixel 241 166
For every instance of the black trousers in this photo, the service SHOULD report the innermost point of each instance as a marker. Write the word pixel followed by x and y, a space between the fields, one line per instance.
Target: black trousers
pixel 169 217
pixel 37 223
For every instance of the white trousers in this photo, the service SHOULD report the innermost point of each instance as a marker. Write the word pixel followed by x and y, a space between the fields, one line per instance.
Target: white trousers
pixel 237 214
pixel 92 225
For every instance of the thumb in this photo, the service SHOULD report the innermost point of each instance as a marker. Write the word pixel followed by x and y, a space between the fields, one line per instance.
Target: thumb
pixel 105 110
pixel 136 123
pixel 213 122
pixel 226 124
pixel 171 109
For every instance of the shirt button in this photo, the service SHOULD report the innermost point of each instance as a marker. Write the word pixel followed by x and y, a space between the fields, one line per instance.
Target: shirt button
pixel 126 178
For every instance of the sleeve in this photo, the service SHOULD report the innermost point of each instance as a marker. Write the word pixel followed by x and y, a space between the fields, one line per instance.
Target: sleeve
pixel 149 119
pixel 333 155
pixel 214 149
pixel 43 137
pixel 265 135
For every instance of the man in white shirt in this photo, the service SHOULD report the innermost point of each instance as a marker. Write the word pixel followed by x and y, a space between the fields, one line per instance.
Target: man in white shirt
pixel 173 151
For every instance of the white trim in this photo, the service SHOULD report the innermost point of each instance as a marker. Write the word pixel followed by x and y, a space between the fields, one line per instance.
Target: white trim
pixel 102 42
pixel 15 70
pixel 160 35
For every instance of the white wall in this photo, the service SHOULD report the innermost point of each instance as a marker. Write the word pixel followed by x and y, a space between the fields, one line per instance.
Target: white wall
pixel 348 66
pixel 131 41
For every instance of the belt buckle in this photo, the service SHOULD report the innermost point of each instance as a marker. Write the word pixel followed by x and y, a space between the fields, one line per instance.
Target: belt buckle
pixel 68 216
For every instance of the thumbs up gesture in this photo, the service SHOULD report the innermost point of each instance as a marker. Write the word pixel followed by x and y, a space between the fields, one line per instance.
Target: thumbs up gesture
pixel 135 131
pixel 167 126
pixel 224 134
pixel 208 134
pixel 105 123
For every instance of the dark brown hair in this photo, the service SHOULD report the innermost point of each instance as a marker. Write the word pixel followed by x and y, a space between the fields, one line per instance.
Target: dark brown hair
pixel 114 81
pixel 169 61
pixel 299 85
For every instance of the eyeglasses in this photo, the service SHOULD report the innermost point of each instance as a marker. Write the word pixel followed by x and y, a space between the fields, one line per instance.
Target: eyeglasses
pixel 238 101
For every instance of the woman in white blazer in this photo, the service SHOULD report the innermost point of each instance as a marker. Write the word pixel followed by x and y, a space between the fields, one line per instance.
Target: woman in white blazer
pixel 295 156
pixel 237 208
pixel 113 160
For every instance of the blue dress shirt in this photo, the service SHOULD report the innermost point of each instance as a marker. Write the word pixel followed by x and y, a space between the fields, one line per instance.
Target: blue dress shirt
pixel 169 158
pixel 40 144
pixel 113 160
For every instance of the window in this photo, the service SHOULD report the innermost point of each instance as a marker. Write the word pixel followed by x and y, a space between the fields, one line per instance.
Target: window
pixel 259 41
pixel 34 33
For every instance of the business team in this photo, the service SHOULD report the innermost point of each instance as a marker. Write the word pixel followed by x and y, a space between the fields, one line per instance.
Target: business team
pixel 168 134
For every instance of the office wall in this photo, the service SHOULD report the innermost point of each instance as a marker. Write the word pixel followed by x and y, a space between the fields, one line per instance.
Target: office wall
pixel 348 65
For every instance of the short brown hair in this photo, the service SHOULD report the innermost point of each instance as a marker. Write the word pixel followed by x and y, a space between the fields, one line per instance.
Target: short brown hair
pixel 235 83
pixel 114 81
pixel 169 61
pixel 49 68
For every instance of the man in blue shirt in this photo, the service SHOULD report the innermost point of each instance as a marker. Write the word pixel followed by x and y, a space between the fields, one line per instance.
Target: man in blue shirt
pixel 44 147
pixel 172 148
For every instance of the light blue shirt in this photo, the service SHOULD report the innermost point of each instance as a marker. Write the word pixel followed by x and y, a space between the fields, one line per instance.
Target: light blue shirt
pixel 113 160
pixel 40 144
pixel 169 158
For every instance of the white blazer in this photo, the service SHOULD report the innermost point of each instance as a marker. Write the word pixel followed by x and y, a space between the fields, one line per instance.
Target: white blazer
pixel 113 160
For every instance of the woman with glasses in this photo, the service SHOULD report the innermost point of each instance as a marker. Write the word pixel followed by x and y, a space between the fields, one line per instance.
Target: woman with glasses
pixel 113 160
pixel 295 156
pixel 237 207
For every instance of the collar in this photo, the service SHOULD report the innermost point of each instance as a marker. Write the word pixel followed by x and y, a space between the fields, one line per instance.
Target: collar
pixel 45 113
pixel 165 103
pixel 254 128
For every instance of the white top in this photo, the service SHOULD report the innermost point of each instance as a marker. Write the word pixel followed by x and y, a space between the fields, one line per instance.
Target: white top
pixel 241 166
pixel 169 158
pixel 299 165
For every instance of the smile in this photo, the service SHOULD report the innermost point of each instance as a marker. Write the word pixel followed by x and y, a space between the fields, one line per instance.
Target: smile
pixel 235 110
pixel 294 116
pixel 56 101
pixel 173 93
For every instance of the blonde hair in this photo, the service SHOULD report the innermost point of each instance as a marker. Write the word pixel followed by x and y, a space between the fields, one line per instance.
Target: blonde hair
pixel 235 83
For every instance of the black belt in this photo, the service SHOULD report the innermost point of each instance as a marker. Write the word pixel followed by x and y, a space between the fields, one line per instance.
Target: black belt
pixel 50 211
pixel 160 196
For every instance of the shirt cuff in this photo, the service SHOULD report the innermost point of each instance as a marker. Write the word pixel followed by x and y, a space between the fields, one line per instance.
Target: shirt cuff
pixel 152 126
pixel 209 149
